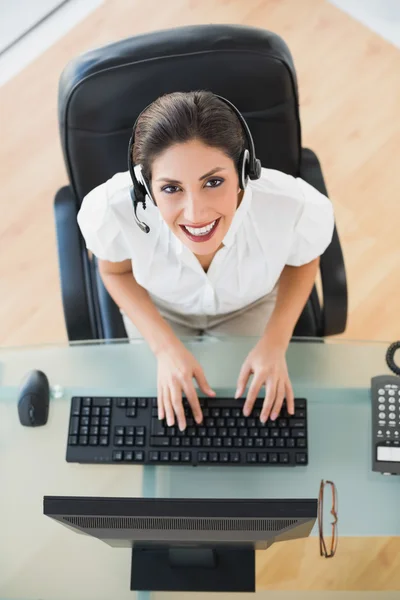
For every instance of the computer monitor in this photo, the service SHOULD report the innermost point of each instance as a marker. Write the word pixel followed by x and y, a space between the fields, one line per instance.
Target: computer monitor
pixel 184 544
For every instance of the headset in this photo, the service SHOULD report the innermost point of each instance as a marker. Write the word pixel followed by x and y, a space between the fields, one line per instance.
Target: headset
pixel 249 167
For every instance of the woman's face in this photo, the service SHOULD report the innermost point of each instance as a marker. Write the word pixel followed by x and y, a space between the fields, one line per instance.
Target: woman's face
pixel 196 188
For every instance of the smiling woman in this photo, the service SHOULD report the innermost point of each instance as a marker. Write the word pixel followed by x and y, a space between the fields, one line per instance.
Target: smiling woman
pixel 228 248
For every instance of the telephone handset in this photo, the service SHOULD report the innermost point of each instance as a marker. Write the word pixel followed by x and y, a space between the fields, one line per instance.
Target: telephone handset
pixel 385 397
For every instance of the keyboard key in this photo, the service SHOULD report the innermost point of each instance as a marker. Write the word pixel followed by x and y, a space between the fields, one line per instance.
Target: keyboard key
pixel 129 440
pixel 234 457
pixel 236 412
pixel 202 457
pixel 273 457
pixel 243 432
pixel 118 440
pixel 185 442
pixel 117 455
pixel 131 403
pixel 175 441
pixel 284 458
pixel 259 443
pixel 301 458
pixel 131 412
pixel 290 442
pixel 105 411
pixel 95 421
pixel 140 441
pixel 254 432
pixel 220 422
pixel 154 456
pixel 196 442
pixel 298 433
pixel 264 432
pixel 299 423
pixel 85 421
pixel 157 427
pixel 248 442
pixel 175 456
pixel 103 440
pixel 75 406
pixel 224 457
pixel 74 426
pixel 241 422
pixel 217 442
pixel 285 433
pixel 84 430
pixel 138 455
pixel 230 422
pixel 270 443
pixel 275 433
pixel 171 431
pixel 282 423
pixel 186 456
pixel 222 432
pixel 227 442
pixel 101 402
pixel 154 402
pixel 105 421
pixel 140 431
pixel 280 443
pixel 93 440
pixel 164 456
pixel 251 422
pixel 160 441
pixel 73 440
pixel 121 402
pixel 207 442
pixel 213 456
pixel 301 443
pixel 119 430
pixel 238 442
pixel 128 455
pixel 215 412
pixel 142 402
pixel 202 432
pixel 95 411
pixel 212 432
pixel 87 402
pixel 83 440
pixel 94 431
pixel 85 411
pixel 251 457
pixel 300 403
pixel 262 457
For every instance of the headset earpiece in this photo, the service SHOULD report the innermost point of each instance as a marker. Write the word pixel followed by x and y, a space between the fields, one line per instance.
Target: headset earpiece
pixel 243 168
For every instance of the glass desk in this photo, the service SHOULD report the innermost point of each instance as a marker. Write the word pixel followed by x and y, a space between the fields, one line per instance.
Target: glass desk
pixel 40 558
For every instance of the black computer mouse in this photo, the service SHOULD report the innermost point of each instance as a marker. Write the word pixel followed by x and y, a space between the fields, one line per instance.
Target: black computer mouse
pixel 33 400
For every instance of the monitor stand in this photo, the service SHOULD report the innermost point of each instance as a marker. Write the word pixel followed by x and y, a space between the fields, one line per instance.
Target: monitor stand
pixel 193 569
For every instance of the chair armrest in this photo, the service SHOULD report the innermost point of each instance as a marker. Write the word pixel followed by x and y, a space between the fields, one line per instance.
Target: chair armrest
pixel 74 269
pixel 332 268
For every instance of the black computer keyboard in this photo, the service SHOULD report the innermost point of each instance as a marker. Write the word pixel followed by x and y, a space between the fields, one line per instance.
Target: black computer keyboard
pixel 127 430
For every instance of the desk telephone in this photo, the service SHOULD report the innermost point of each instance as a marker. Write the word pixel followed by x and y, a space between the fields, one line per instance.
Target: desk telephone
pixel 385 397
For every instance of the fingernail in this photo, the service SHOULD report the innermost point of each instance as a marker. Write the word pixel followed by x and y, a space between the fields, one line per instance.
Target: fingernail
pixel 246 412
pixel 273 416
pixel 263 419
pixel 182 427
pixel 237 394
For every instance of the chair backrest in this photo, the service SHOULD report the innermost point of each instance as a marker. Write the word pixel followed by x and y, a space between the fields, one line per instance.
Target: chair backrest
pixel 102 92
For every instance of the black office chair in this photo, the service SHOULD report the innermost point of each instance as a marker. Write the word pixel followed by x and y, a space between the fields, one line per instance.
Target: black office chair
pixel 102 92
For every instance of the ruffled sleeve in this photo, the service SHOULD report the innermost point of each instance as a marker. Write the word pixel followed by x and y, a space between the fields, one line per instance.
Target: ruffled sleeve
pixel 313 229
pixel 100 228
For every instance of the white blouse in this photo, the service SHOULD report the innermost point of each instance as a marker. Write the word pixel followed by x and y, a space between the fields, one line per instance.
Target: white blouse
pixel 281 221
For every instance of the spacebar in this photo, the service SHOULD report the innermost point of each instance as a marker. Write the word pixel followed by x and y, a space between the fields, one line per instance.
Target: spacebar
pixel 228 402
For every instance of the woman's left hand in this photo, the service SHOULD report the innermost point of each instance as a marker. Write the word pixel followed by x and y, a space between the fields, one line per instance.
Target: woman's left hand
pixel 267 362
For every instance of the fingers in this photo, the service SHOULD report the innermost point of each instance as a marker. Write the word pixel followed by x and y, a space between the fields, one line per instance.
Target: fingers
pixel 202 381
pixel 244 375
pixel 252 395
pixel 176 401
pixel 160 403
pixel 193 400
pixel 280 395
pixel 289 397
pixel 169 412
pixel 270 394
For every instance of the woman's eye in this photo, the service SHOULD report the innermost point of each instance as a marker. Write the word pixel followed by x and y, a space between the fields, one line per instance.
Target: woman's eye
pixel 214 182
pixel 170 189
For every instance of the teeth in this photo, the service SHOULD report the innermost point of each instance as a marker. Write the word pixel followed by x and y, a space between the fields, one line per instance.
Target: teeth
pixel 200 230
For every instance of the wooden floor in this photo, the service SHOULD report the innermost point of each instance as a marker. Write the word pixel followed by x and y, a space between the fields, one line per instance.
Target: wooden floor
pixel 349 82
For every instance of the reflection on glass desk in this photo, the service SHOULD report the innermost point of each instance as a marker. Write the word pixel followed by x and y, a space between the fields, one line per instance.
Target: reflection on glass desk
pixel 40 559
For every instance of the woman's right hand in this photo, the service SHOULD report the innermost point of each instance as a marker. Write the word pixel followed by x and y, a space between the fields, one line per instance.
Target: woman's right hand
pixel 175 372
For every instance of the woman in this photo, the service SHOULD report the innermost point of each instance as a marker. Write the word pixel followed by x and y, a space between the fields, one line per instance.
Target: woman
pixel 219 255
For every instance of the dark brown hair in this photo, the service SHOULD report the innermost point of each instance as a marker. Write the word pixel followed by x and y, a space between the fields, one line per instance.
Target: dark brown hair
pixel 184 116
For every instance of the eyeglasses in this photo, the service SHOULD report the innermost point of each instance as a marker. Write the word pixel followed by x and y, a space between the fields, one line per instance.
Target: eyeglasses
pixel 327 550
